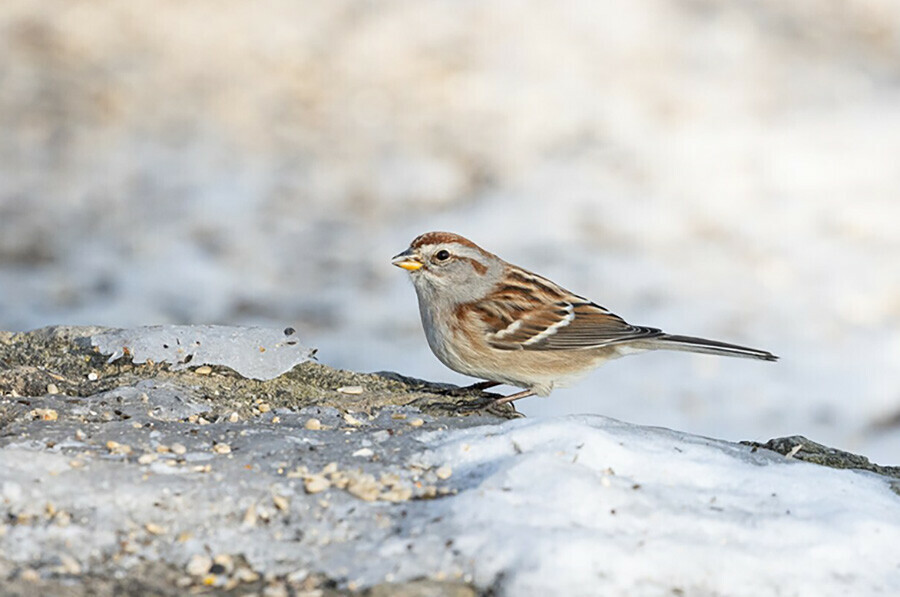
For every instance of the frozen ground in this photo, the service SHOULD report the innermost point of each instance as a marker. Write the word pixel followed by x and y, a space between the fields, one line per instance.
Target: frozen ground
pixel 717 168
pixel 132 467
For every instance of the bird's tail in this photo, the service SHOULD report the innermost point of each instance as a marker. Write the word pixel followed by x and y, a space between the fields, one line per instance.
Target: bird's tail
pixel 691 344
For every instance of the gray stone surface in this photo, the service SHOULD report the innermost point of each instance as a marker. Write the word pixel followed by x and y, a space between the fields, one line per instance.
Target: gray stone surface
pixel 115 470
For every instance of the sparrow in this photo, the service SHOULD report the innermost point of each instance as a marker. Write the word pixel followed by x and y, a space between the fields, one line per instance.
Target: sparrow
pixel 495 321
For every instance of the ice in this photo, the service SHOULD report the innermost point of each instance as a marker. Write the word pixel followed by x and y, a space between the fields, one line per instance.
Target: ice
pixel 254 352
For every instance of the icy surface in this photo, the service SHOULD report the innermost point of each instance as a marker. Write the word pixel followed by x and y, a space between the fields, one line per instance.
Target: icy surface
pixel 254 352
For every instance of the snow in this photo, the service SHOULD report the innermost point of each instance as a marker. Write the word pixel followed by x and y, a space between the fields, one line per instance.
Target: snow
pixel 254 352
pixel 586 505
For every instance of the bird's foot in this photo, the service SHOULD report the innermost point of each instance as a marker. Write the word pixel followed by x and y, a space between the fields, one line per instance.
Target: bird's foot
pixel 480 387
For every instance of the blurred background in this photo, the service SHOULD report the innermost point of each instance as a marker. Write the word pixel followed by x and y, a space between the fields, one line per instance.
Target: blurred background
pixel 722 168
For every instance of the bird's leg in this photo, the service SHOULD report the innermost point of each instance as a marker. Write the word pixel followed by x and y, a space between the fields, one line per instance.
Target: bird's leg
pixel 512 397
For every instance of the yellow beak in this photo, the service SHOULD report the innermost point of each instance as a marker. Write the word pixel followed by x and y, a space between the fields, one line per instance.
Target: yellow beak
pixel 408 261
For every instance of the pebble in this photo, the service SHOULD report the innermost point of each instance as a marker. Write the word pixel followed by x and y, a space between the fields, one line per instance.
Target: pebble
pixel 221 448
pixel 443 472
pixel 350 390
pixel 313 424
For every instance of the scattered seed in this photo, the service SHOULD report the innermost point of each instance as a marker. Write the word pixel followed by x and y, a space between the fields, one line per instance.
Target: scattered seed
pixel 416 423
pixel 178 449
pixel 316 483
pixel 199 564
pixel 250 516
pixel 44 414
pixel 398 416
pixel 313 424
pixel 281 502
pixel 29 575
pixel 154 529
pixel 92 376
pixel 52 389
pixel 147 458
pixel 233 418
pixel 225 561
pixel 364 453
pixel 246 575
pixel 203 370
pixel 264 408
pixel 351 420
pixel 221 448
pixel 69 565
pixel 350 390
pixel 443 472
pixel 364 486
pixel 117 448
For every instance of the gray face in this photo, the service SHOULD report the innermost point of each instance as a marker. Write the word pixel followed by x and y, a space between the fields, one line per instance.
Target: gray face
pixel 450 273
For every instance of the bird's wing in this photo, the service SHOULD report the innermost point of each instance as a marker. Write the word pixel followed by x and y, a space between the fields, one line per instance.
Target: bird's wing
pixel 550 318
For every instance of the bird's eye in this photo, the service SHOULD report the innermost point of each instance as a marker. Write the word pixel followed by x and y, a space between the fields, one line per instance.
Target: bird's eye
pixel 442 255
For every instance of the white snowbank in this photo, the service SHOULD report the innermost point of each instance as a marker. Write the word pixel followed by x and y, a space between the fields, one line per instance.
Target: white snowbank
pixel 586 505
pixel 254 352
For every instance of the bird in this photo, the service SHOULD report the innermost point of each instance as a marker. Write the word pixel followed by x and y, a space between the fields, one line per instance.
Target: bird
pixel 500 323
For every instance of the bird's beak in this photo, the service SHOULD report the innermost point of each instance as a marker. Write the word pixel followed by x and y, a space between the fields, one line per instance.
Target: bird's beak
pixel 408 261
